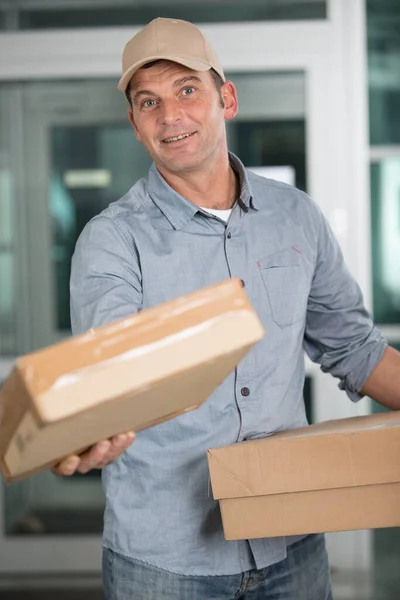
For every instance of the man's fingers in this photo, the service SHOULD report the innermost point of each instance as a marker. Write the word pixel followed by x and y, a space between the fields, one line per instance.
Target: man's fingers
pixel 67 466
pixel 119 444
pixel 104 453
pixel 122 441
pixel 94 457
pixel 99 455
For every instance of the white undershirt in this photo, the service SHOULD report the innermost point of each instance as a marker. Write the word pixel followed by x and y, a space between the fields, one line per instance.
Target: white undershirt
pixel 222 214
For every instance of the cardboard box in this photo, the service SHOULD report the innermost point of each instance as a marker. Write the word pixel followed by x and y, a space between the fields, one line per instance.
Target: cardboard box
pixel 131 374
pixel 333 476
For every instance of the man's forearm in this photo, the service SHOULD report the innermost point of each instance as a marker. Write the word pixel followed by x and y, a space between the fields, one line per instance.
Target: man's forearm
pixel 383 385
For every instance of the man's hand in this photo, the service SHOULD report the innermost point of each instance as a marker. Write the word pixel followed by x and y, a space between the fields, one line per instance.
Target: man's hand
pixel 98 456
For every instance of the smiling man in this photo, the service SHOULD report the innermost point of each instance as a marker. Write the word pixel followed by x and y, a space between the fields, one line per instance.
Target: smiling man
pixel 178 111
pixel 200 217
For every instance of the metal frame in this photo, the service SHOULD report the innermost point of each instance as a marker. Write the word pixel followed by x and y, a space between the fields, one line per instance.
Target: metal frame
pixel 332 55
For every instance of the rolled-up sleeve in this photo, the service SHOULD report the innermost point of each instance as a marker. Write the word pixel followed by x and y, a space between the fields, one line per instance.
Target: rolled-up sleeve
pixel 340 334
pixel 105 280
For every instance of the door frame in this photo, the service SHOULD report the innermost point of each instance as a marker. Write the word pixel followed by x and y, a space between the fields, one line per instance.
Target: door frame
pixel 332 54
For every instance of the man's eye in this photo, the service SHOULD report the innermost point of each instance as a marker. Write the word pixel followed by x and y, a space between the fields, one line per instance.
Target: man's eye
pixel 188 91
pixel 148 103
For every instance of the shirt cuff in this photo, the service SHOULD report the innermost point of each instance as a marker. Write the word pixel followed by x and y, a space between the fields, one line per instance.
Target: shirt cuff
pixel 354 381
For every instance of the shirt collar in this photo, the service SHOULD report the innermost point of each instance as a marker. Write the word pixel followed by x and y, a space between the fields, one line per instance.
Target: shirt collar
pixel 177 209
pixel 246 197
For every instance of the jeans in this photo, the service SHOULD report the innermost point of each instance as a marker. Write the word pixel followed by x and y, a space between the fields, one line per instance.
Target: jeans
pixel 303 575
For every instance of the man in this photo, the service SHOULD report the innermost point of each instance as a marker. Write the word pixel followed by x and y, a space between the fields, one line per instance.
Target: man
pixel 198 218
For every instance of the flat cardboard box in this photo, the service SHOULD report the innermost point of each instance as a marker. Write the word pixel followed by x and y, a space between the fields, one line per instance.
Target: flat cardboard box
pixel 334 476
pixel 130 374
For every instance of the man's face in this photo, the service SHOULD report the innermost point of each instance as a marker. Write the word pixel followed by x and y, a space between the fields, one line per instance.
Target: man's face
pixel 178 116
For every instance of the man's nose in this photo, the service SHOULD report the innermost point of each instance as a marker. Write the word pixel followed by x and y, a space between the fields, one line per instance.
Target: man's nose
pixel 171 111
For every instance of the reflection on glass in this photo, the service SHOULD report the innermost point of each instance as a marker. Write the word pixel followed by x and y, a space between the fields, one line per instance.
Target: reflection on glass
pixel 385 223
pixel 384 73
pixel 215 11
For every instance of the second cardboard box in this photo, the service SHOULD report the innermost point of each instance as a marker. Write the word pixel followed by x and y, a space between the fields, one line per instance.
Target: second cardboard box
pixel 333 476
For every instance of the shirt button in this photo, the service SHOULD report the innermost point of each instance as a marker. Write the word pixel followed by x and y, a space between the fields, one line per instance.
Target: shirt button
pixel 229 235
pixel 245 391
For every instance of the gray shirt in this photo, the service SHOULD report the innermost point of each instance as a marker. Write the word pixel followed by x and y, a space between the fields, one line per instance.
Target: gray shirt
pixel 154 245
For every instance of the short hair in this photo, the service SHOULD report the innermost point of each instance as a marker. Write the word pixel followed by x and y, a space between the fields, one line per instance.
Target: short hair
pixel 216 77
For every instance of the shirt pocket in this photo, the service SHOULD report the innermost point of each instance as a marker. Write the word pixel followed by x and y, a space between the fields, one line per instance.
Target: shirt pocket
pixel 286 284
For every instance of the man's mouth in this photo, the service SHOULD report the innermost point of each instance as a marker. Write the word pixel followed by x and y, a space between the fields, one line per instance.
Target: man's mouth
pixel 176 138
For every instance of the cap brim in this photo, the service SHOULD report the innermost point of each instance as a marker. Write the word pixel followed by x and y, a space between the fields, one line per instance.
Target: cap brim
pixel 196 65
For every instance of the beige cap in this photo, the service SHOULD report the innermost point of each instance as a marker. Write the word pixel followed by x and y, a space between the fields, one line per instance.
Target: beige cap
pixel 168 39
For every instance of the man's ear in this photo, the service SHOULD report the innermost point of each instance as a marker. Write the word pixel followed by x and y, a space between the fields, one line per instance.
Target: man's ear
pixel 132 122
pixel 229 95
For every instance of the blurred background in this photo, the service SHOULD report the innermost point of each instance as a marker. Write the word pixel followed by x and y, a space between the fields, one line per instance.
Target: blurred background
pixel 319 96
